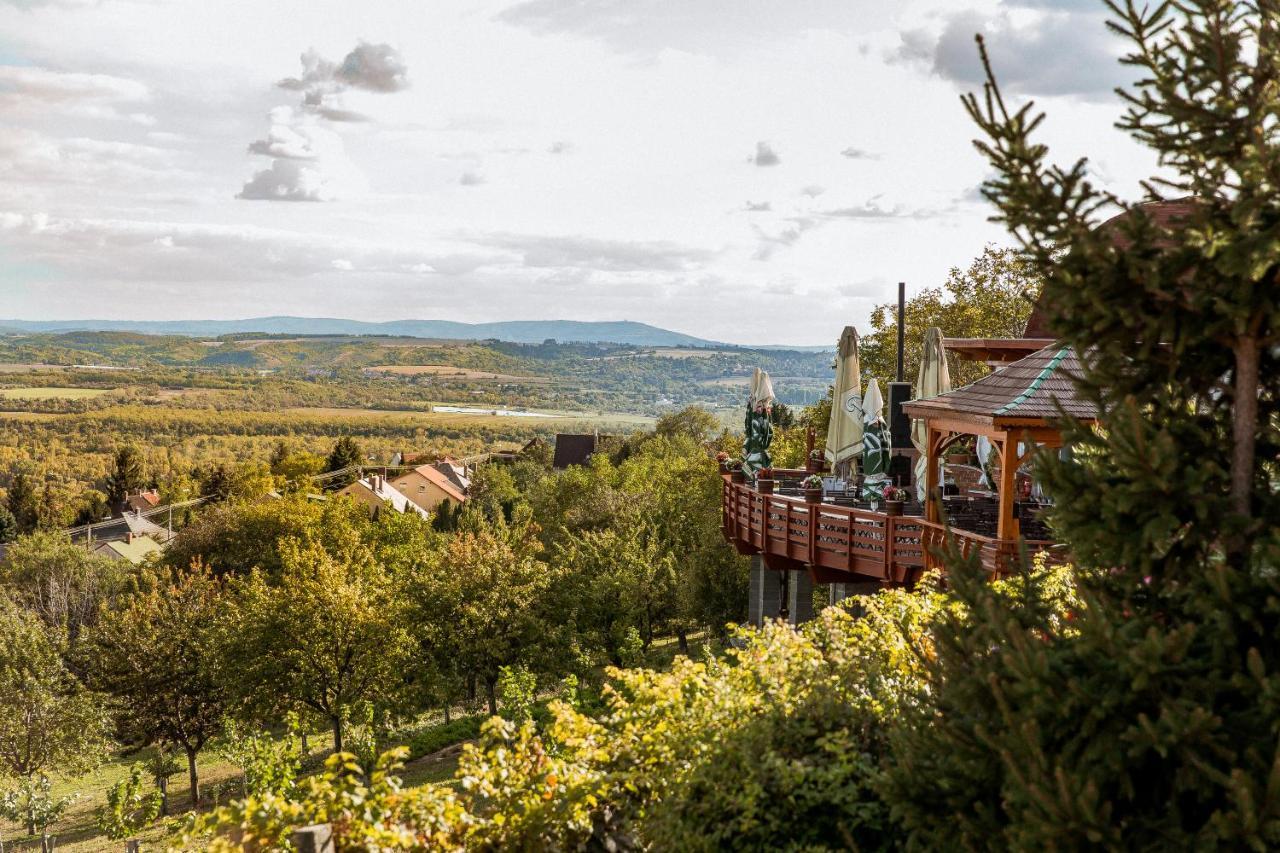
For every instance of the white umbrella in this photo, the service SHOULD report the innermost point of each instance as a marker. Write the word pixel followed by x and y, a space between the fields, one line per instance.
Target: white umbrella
pixel 844 433
pixel 933 378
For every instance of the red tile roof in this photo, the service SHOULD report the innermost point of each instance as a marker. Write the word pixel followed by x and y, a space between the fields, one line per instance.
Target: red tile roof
pixel 429 472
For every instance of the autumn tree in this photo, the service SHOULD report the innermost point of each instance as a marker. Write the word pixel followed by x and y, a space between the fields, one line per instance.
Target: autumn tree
pixel 154 652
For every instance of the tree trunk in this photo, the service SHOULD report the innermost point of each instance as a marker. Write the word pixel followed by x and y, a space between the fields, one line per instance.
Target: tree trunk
pixel 683 637
pixel 193 777
pixel 446 712
pixel 306 747
pixel 471 687
pixel 489 685
pixel 337 733
pixel 1244 425
pixel 163 785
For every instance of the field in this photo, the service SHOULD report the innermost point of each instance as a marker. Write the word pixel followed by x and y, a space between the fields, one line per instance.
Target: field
pixel 451 372
pixel 47 393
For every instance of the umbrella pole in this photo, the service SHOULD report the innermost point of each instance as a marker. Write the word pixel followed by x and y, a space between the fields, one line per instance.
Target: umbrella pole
pixel 784 590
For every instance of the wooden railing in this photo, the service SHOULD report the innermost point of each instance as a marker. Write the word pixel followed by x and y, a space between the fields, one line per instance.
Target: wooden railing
pixel 839 542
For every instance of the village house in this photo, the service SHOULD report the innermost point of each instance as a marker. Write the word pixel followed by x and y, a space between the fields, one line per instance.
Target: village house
pixel 376 492
pixel 428 487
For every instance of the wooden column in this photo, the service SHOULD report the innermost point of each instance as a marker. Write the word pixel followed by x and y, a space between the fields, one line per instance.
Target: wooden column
pixel 931 485
pixel 1006 525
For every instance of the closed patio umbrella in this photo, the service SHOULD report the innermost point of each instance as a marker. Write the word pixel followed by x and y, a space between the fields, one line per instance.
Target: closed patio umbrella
pixel 933 378
pixel 875 444
pixel 844 433
pixel 759 431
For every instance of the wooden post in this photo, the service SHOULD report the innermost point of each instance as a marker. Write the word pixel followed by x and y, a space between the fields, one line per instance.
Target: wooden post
pixel 931 485
pixel 1006 526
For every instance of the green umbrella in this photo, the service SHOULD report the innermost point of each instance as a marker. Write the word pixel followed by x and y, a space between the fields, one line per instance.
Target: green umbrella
pixel 875 445
pixel 759 431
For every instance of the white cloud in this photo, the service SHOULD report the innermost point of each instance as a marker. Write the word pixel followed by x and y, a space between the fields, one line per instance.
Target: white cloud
pixel 765 155
pixel 30 89
pixel 296 134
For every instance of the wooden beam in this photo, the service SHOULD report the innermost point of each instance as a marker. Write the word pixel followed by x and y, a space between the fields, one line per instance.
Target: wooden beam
pixel 1006 524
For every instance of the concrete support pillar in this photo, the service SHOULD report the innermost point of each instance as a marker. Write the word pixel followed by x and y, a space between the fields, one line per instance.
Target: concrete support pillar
pixel 800 602
pixel 764 589
pixel 838 592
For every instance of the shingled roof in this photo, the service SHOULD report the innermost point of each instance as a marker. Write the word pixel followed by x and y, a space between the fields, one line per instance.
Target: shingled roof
pixel 1029 389
pixel 1166 215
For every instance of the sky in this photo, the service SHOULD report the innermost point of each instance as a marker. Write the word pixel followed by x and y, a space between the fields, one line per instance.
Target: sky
pixel 750 171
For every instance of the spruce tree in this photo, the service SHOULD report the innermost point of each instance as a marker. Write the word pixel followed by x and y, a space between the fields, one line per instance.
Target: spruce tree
pixel 127 475
pixel 346 453
pixel 1148 721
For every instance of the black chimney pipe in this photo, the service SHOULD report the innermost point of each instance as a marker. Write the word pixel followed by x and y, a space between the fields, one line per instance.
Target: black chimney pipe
pixel 902 332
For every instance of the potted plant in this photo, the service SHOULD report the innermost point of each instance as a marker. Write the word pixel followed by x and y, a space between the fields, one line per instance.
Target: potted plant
pixel 764 481
pixel 735 471
pixel 812 486
pixel 816 462
pixel 894 498
pixel 722 460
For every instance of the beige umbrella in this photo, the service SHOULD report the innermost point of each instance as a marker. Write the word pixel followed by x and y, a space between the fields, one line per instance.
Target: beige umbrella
pixel 934 378
pixel 844 434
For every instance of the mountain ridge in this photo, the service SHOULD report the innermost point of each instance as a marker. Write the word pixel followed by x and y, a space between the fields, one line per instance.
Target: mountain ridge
pixel 628 332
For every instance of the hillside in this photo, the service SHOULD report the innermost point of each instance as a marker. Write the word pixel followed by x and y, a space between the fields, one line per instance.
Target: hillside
pixel 520 331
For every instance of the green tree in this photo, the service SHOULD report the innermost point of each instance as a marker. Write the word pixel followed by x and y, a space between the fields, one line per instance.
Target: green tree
pixel 991 299
pixel 1148 720
pixel 345 454
pixel 128 475
pixel 33 803
pixel 485 604
pixel 48 721
pixel 60 582
pixel 8 525
pixel 23 502
pixel 694 422
pixel 233 539
pixel 326 637
pixel 155 653
pixel 128 810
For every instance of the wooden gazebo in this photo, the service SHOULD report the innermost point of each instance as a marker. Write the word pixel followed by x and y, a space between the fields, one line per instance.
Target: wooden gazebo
pixel 1020 403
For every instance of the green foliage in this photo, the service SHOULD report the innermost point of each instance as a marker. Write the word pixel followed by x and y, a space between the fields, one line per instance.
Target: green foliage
pixel 990 299
pixel 127 476
pixel 156 653
pixel 329 634
pixel 23 502
pixel 48 720
pixel 517 692
pixel 1147 721
pixel 8 525
pixel 693 422
pixel 439 736
pixel 61 582
pixel 267 765
pixel 345 454
pixel 128 810
pixel 32 804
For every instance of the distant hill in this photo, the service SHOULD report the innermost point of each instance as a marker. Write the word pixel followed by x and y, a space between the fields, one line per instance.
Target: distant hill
pixel 521 331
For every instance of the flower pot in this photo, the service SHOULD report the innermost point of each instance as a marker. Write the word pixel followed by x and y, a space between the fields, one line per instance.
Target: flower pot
pixel 764 486
pixel 737 476
pixel 724 468
pixel 814 466
pixel 813 496
pixel 893 507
